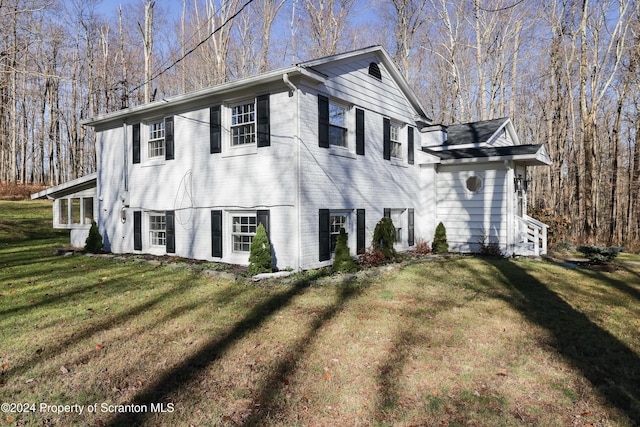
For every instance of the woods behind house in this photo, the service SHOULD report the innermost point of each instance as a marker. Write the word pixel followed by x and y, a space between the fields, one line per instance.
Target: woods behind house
pixel 565 71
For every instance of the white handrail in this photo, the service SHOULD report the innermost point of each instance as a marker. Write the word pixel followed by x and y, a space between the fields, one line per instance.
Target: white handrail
pixel 536 233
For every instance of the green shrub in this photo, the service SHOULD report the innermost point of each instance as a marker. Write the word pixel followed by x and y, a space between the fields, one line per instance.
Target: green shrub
pixel 260 260
pixel 342 260
pixel 93 244
pixel 384 236
pixel 600 254
pixel 439 244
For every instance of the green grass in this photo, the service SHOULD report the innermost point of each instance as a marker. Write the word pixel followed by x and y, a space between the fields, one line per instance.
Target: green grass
pixel 459 341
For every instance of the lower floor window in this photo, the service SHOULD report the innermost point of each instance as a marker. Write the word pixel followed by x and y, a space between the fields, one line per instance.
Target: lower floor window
pixel 336 222
pixel 398 221
pixel 243 230
pixel 158 229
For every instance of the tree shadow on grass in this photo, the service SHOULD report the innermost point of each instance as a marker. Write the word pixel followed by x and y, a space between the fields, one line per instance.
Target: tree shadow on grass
pixel 51 350
pixel 183 374
pixel 267 398
pixel 610 365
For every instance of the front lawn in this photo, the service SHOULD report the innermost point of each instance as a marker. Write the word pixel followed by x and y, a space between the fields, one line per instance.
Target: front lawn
pixel 457 341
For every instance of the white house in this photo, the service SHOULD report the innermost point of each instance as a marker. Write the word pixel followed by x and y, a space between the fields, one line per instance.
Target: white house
pixel 336 142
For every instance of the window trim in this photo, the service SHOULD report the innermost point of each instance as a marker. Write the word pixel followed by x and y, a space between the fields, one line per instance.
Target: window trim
pixel 67 202
pixel 480 182
pixel 397 143
pixel 155 140
pixel 160 234
pixel 344 126
pixel 253 123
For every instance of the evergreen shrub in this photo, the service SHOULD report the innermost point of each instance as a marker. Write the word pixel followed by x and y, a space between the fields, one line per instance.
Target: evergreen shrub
pixel 384 236
pixel 93 244
pixel 342 260
pixel 260 260
pixel 439 244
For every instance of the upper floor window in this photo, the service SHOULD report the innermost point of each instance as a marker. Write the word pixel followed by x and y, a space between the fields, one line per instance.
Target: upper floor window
pixel 243 124
pixel 396 145
pixel 337 124
pixel 156 139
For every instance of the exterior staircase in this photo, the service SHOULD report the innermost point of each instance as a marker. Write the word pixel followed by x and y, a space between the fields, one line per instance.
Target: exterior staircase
pixel 531 236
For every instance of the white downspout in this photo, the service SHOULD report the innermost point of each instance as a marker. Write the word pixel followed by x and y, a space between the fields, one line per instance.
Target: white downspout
pixel 296 138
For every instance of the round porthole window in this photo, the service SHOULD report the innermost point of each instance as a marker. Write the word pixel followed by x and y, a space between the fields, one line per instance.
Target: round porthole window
pixel 474 183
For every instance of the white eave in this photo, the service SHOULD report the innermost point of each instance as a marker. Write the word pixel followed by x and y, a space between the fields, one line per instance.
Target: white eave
pixel 203 94
pixel 69 187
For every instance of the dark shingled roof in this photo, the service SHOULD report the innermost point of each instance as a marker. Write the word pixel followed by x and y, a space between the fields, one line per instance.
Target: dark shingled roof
pixel 470 153
pixel 473 133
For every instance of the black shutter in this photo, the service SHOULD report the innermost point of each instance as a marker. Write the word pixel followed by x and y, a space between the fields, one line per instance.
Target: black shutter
pixel 360 231
pixel 386 133
pixel 136 143
pixel 411 232
pixel 215 130
pixel 170 218
pixel 324 238
pixel 216 234
pixel 262 217
pixel 359 131
pixel 387 213
pixel 410 145
pixel 168 138
pixel 323 121
pixel 137 230
pixel 264 127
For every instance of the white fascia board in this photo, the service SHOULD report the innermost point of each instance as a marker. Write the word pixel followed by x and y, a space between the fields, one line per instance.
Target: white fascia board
pixel 535 159
pixel 67 187
pixel 177 100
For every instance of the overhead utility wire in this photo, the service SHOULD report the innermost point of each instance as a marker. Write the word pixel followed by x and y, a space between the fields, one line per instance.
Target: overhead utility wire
pixel 500 9
pixel 194 48
pixel 193 35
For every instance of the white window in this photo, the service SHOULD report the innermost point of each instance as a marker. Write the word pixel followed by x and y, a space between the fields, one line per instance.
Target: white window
pixel 75 211
pixel 396 145
pixel 243 124
pixel 243 230
pixel 397 216
pixel 63 217
pixel 156 139
pixel 157 229
pixel 336 222
pixel 337 125
pixel 474 183
pixel 87 207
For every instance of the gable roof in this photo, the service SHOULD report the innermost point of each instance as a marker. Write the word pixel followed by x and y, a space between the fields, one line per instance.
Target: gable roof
pixel 475 132
pixel 305 69
pixel 390 66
